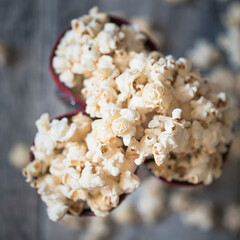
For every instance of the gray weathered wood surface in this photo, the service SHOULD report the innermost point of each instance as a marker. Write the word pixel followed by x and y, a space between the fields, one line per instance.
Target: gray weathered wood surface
pixel 27 90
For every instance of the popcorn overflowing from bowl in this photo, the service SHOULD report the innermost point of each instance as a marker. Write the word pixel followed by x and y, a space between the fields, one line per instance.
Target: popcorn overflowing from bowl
pixel 73 170
pixel 141 107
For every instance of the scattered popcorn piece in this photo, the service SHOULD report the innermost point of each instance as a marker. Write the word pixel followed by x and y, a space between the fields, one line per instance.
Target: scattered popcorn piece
pixel 97 229
pixel 125 213
pixel 19 155
pixel 231 17
pixel 204 54
pixel 193 213
pixel 88 51
pixel 223 77
pixel 231 218
pixel 152 202
pixel 230 40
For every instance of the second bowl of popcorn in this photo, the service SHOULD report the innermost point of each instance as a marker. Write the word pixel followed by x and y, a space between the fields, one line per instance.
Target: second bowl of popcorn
pixel 77 168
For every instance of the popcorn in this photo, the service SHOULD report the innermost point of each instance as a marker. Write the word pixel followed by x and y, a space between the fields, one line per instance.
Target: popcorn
pixel 19 155
pixel 77 168
pixel 152 203
pixel 231 17
pixel 92 177
pixel 67 77
pixel 227 79
pixel 204 54
pixel 231 219
pixel 193 212
pixel 125 213
pixel 97 228
pixel 156 95
pixel 230 39
pixel 230 42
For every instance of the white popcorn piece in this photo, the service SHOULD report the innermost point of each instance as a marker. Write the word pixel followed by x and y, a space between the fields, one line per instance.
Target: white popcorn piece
pixel 92 177
pixel 152 202
pixel 129 182
pixel 56 212
pixel 204 110
pixel 231 219
pixel 193 212
pixel 156 95
pixel 204 54
pixel 231 17
pixel 67 77
pixel 19 155
pixel 230 42
pixel 227 79
pixel 176 113
pixel 95 48
pixel 230 39
pixel 125 213
pixel 97 228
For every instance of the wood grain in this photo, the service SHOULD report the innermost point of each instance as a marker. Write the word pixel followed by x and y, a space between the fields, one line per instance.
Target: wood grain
pixel 27 90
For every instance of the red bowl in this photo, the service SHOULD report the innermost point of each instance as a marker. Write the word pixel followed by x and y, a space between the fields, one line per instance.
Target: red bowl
pixel 86 212
pixel 176 183
pixel 64 93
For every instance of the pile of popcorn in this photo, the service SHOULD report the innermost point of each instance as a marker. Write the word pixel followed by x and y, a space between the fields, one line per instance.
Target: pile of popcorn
pixel 75 169
pixel 230 39
pixel 163 109
pixel 95 47
pixel 145 106
pixel 157 105
pixel 193 212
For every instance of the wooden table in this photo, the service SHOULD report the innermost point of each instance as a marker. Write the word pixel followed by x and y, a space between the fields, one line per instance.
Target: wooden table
pixel 27 90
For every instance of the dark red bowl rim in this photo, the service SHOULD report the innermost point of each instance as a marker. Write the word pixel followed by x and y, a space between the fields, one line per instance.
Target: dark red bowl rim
pixel 82 104
pixel 86 212
pixel 176 183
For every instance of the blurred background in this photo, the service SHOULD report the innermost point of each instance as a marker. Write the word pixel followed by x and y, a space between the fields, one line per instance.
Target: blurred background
pixel 206 31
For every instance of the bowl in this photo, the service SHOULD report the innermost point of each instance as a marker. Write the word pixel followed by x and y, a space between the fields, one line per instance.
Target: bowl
pixel 86 212
pixel 65 94
pixel 176 183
